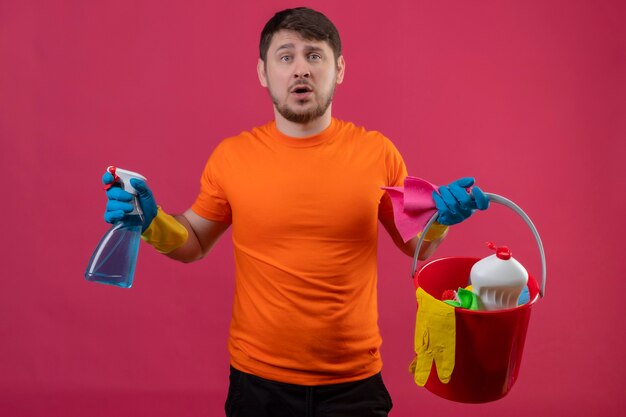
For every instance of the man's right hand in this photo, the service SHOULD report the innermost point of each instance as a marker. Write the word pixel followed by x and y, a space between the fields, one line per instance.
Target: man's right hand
pixel 120 202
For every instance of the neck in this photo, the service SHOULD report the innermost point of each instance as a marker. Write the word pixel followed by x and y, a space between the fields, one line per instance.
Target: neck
pixel 302 130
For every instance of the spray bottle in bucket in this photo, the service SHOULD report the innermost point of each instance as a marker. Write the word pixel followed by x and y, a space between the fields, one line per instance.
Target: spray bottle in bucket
pixel 114 259
pixel 498 280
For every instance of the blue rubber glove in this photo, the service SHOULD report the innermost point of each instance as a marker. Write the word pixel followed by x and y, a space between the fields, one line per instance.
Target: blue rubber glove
pixel 456 203
pixel 120 202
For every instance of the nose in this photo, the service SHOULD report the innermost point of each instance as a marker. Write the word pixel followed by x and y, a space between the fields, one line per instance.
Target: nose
pixel 301 69
pixel 302 74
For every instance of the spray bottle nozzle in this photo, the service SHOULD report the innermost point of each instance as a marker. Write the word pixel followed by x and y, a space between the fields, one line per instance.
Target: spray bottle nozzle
pixel 123 177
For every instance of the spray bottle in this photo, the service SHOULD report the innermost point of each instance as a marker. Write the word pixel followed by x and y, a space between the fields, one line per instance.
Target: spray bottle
pixel 498 280
pixel 114 259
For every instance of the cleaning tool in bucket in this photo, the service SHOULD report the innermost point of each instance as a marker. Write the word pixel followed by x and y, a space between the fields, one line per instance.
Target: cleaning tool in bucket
pixel 114 259
pixel 488 345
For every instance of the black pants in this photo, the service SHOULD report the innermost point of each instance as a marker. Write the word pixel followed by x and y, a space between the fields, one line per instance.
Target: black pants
pixel 251 396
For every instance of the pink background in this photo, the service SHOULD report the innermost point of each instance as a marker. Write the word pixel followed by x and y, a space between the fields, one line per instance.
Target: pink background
pixel 527 96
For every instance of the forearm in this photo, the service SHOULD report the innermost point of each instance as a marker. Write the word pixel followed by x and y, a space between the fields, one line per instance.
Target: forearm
pixel 202 235
pixel 191 250
pixel 428 246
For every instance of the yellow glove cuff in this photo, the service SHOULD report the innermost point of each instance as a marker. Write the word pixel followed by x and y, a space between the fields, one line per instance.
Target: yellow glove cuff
pixel 436 231
pixel 165 233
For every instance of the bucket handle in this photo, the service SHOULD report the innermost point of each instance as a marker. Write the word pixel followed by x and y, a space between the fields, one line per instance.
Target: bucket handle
pixel 508 203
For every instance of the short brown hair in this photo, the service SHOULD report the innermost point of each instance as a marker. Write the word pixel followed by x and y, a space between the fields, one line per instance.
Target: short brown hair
pixel 308 23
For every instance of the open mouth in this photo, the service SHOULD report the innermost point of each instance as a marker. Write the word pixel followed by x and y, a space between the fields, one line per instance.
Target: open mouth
pixel 301 90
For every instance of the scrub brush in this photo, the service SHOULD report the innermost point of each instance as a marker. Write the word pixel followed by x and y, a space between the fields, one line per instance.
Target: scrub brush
pixel 450 295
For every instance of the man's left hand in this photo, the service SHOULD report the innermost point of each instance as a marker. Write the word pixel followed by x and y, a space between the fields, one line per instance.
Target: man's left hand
pixel 456 201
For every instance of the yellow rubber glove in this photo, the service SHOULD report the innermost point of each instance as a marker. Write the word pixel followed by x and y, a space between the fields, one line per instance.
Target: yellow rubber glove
pixel 435 339
pixel 165 233
pixel 435 231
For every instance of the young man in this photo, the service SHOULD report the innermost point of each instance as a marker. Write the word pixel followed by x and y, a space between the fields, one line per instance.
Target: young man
pixel 303 196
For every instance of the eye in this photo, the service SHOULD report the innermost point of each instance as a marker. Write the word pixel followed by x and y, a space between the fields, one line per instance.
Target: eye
pixel 285 58
pixel 315 57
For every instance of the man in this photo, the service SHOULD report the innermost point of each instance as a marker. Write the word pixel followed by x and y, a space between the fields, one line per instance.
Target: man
pixel 303 195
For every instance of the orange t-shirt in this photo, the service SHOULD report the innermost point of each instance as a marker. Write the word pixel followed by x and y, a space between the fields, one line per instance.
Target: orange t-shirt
pixel 304 215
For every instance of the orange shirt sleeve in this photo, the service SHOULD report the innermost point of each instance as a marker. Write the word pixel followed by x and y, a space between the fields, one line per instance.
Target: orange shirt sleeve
pixel 212 201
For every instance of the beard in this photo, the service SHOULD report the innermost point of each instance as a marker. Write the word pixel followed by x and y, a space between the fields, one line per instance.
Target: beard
pixel 306 116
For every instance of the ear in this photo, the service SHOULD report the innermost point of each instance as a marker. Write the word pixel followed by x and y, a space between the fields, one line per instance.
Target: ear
pixel 260 70
pixel 341 69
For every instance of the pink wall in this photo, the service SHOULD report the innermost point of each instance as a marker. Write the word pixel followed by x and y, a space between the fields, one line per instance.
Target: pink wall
pixel 527 96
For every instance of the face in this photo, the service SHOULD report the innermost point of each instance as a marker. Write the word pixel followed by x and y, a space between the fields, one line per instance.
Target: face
pixel 300 76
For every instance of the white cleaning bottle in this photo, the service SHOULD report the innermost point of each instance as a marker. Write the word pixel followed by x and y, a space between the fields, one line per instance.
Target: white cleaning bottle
pixel 114 259
pixel 498 280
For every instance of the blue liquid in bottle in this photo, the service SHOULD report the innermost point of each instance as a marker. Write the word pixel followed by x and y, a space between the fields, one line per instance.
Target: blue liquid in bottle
pixel 113 262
